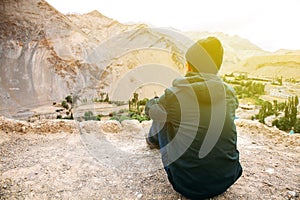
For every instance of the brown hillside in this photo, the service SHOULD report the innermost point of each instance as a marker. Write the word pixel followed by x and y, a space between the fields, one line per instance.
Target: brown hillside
pixel 286 65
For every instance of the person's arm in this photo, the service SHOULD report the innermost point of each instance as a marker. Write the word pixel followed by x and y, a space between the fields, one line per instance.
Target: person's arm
pixel 150 103
pixel 231 95
pixel 156 109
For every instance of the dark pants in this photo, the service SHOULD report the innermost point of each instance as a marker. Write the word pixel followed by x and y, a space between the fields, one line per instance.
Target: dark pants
pixel 158 136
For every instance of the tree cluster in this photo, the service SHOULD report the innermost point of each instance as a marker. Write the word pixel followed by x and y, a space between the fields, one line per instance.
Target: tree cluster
pixel 136 108
pixel 67 104
pixel 289 108
pixel 289 120
pixel 103 98
pixel 249 89
pixel 89 115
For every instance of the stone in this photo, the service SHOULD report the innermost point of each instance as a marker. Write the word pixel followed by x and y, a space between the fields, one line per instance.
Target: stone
pixel 111 126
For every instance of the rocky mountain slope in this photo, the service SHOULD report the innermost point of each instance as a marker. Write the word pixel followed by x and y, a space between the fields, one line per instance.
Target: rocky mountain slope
pixel 99 26
pixel 46 56
pixel 41 54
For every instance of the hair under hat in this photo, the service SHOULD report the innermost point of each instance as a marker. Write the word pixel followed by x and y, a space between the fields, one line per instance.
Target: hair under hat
pixel 205 55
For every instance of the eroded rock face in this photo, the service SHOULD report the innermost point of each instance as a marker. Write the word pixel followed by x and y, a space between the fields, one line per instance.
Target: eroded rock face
pixel 45 55
pixel 36 66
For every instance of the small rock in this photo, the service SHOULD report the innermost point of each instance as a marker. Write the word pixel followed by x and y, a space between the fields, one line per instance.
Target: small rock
pixel 293 193
pixel 111 126
pixel 139 196
pixel 270 170
pixel 4 186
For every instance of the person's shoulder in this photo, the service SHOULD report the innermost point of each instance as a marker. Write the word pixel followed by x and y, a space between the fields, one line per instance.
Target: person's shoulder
pixel 172 92
pixel 229 89
pixel 231 95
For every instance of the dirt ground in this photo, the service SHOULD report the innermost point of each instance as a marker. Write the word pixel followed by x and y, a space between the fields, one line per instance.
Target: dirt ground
pixel 52 159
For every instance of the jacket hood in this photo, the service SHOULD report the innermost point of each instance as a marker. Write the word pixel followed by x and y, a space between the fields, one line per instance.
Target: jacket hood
pixel 208 87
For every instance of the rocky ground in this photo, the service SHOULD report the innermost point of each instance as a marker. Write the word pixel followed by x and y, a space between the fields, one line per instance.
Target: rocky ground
pixel 52 159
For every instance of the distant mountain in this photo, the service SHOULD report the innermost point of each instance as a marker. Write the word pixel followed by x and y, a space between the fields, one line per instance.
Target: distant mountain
pixel 236 49
pixel 281 63
pixel 241 55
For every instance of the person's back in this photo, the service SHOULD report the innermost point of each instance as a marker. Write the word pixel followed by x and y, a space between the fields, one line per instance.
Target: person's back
pixel 190 175
pixel 196 105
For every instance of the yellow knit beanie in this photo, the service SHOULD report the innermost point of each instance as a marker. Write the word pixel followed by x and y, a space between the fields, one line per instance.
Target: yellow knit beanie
pixel 206 55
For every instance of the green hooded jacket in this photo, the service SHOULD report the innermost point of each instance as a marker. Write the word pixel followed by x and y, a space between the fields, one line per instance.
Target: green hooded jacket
pixel 201 157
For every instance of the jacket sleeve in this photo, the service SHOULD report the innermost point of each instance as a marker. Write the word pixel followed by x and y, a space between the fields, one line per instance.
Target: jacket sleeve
pixel 231 96
pixel 156 108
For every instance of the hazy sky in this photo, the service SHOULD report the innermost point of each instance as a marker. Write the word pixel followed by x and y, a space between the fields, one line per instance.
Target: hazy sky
pixel 270 24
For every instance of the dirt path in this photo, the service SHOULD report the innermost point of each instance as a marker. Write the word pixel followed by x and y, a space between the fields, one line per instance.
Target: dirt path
pixel 54 160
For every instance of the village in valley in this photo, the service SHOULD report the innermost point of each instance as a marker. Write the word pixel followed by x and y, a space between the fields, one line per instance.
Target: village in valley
pixel 270 101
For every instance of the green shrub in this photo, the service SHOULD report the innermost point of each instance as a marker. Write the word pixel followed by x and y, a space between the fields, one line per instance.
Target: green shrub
pixel 69 99
pixel 284 124
pixel 143 102
pixel 139 117
pixel 65 105
pixel 297 126
pixel 120 118
pixel 89 115
pixel 106 98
